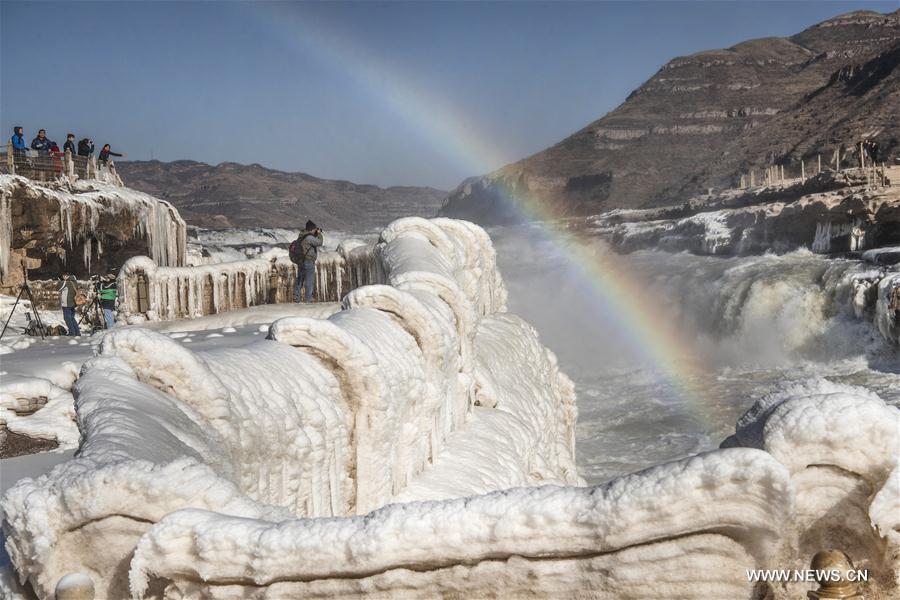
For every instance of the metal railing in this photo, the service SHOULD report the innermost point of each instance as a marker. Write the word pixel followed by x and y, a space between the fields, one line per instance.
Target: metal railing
pixel 55 166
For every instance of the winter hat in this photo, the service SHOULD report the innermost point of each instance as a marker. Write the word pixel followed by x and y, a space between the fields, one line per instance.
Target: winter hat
pixel 310 225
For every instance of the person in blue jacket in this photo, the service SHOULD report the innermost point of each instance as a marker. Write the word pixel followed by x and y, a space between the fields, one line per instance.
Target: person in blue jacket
pixel 41 143
pixel 18 141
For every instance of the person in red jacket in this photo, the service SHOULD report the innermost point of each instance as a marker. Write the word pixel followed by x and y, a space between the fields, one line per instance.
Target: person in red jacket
pixel 56 157
pixel 105 153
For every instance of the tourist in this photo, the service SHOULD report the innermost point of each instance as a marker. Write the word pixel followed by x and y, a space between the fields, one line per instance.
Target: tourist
pixel 873 151
pixel 56 156
pixel 19 148
pixel 303 252
pixel 70 144
pixel 108 291
pixel 67 293
pixel 105 153
pixel 86 147
pixel 18 142
pixel 41 144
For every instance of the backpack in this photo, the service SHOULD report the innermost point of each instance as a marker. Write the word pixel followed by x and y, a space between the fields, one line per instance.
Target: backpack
pixel 295 251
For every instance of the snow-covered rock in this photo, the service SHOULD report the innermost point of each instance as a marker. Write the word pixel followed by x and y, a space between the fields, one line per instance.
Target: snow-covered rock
pixel 841 446
pixel 833 221
pixel 86 228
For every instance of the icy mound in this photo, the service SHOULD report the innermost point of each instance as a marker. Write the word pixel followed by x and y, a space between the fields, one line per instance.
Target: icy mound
pixel 688 529
pixel 841 445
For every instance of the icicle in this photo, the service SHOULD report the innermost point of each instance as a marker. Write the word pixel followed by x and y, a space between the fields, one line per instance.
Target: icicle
pixel 5 234
pixel 86 255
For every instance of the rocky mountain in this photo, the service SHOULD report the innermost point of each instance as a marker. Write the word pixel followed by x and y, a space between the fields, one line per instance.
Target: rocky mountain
pixel 234 195
pixel 703 120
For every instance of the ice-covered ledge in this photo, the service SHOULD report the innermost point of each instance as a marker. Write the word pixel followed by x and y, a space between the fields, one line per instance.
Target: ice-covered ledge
pixel 86 227
pixel 151 292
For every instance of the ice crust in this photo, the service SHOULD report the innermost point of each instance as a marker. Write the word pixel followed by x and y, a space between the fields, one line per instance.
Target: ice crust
pixel 54 412
pixel 208 289
pixel 156 220
pixel 401 447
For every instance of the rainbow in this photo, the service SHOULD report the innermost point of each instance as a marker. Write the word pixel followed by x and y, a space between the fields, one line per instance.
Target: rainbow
pixel 617 294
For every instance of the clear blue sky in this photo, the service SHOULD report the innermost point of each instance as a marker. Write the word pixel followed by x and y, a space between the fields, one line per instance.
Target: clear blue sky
pixel 375 93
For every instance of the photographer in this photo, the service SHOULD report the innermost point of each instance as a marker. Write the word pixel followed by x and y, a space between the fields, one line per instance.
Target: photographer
pixel 303 252
pixel 107 292
pixel 67 293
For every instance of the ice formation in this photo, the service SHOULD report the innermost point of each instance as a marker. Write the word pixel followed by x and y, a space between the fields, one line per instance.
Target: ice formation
pixel 49 409
pixel 194 291
pixel 436 433
pixel 86 212
pixel 887 307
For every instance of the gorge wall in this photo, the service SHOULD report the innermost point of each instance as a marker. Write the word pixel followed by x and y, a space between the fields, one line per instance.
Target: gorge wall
pixel 703 120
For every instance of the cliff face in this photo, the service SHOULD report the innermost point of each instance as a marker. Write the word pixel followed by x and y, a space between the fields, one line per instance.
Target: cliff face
pixel 829 213
pixel 86 228
pixel 703 120
pixel 234 195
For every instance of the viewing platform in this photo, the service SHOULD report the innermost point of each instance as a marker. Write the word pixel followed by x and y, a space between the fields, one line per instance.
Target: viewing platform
pixel 54 166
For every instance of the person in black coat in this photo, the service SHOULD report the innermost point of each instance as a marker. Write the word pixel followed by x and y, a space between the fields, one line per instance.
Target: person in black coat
pixel 70 144
pixel 41 143
pixel 86 147
pixel 105 153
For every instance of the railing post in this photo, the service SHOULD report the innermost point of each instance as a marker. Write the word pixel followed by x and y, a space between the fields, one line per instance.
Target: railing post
pixel 10 158
pixel 143 293
pixel 91 167
pixel 70 166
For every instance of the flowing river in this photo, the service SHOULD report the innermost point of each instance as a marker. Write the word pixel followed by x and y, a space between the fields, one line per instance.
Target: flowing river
pixel 748 326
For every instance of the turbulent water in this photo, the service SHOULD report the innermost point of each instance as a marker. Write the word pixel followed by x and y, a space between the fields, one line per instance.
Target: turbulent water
pixel 748 326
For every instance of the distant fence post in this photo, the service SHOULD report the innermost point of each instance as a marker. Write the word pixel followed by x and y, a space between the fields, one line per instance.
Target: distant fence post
pixel 752 178
pixel 10 158
pixel 782 173
pixel 70 166
pixel 820 165
pixel 802 170
pixel 862 157
pixel 143 293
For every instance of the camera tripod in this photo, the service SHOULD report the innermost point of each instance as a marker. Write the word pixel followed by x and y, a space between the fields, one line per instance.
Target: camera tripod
pixel 94 310
pixel 24 289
